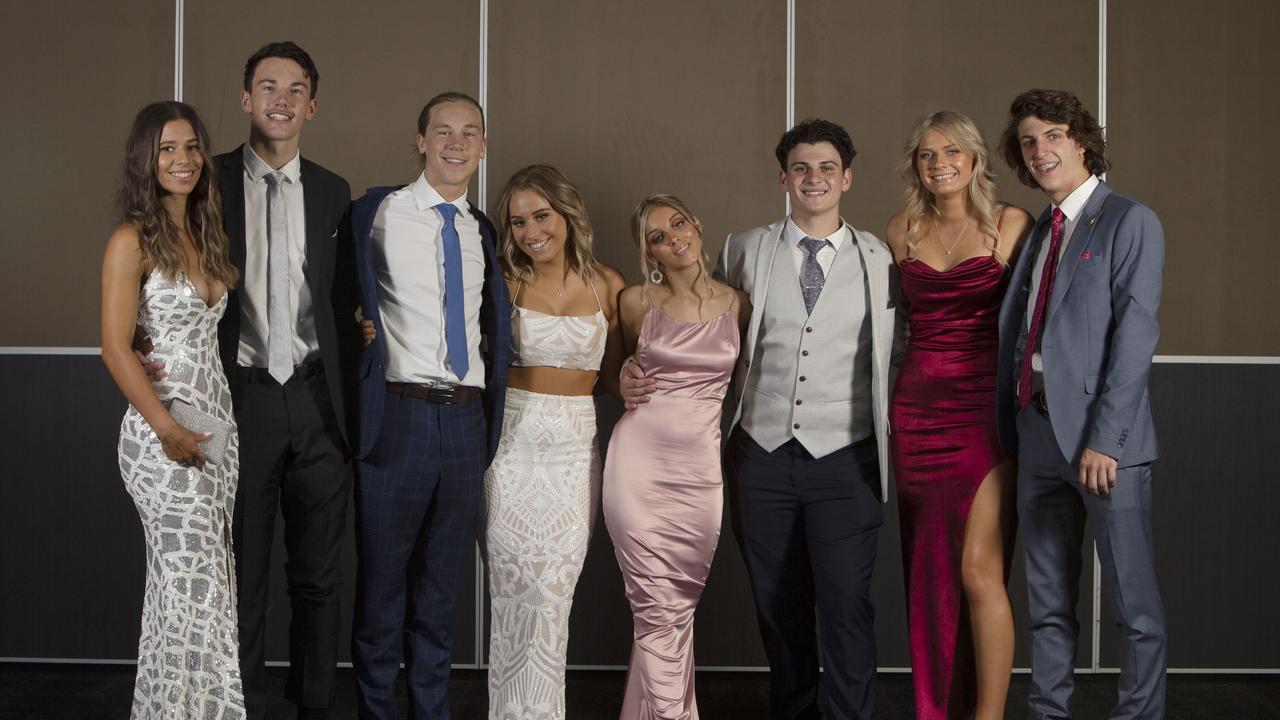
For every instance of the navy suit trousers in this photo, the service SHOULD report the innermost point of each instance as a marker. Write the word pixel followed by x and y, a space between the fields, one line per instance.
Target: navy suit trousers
pixel 417 495
pixel 808 529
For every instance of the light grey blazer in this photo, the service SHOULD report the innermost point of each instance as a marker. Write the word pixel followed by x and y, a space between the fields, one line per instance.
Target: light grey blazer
pixel 1100 332
pixel 746 263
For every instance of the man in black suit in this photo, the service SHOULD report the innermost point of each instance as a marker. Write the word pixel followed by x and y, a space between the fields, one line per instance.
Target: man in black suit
pixel 285 340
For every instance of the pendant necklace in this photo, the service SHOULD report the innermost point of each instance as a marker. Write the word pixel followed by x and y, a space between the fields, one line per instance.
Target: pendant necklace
pixel 938 233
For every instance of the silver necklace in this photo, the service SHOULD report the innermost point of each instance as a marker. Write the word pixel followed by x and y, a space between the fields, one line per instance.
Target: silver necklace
pixel 938 233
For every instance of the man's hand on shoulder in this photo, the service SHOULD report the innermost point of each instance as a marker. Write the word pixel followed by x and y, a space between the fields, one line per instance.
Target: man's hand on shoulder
pixel 1097 472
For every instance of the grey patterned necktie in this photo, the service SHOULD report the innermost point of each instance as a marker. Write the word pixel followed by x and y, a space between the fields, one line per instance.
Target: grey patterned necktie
pixel 279 307
pixel 811 277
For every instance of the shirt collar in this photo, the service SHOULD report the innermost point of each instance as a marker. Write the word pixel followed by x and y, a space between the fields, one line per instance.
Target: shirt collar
pixel 1074 203
pixel 793 234
pixel 427 197
pixel 256 167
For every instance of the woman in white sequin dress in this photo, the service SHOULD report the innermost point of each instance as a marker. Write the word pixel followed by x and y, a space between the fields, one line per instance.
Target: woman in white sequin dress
pixel 542 490
pixel 166 271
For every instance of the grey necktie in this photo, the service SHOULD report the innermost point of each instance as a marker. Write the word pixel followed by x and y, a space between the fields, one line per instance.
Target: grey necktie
pixel 811 277
pixel 279 307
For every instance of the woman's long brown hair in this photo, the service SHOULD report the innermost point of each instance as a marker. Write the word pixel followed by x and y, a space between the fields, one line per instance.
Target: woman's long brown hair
pixel 140 194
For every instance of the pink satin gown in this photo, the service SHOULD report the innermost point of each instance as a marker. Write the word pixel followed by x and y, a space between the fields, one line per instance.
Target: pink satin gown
pixel 663 499
pixel 944 442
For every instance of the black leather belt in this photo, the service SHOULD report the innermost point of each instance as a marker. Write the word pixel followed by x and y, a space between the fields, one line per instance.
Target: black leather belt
pixel 305 371
pixel 437 395
pixel 1041 402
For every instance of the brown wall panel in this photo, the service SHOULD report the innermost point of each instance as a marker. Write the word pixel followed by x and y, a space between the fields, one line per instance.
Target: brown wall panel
pixel 630 99
pixel 877 68
pixel 1192 112
pixel 72 83
pixel 375 75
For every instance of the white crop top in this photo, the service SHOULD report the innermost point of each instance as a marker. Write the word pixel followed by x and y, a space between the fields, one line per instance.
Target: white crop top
pixel 575 342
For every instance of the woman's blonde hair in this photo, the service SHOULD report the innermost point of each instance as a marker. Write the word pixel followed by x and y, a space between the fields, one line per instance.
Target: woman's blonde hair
pixel 641 215
pixel 959 129
pixel 565 200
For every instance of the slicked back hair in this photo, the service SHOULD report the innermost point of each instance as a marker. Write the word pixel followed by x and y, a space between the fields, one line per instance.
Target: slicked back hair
pixel 288 50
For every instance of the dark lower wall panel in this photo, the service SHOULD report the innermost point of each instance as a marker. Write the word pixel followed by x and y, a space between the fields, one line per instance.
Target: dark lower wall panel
pixel 71 549
pixel 1215 495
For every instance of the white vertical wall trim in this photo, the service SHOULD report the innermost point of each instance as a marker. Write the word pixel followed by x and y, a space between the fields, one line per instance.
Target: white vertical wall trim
pixel 179 12
pixel 791 78
pixel 1096 654
pixel 481 202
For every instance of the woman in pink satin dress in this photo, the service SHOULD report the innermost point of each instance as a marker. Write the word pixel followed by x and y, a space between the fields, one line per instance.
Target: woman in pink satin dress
pixel 662 483
pixel 954 245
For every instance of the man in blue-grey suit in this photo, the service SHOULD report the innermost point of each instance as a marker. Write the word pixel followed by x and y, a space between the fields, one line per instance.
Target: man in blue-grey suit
pixel 431 394
pixel 1077 332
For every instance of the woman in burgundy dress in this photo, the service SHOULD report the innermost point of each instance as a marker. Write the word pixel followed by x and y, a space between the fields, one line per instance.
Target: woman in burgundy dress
pixel 954 244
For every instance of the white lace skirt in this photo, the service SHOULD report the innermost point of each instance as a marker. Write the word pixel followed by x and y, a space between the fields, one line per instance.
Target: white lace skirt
pixel 540 498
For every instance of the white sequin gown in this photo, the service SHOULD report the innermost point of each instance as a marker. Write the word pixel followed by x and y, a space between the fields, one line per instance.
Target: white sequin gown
pixel 188 657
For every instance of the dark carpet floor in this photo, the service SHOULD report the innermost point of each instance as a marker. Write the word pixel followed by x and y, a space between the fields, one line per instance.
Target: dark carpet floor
pixel 102 692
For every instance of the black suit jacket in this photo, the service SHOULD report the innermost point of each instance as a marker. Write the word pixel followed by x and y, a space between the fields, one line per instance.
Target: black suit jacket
pixel 329 268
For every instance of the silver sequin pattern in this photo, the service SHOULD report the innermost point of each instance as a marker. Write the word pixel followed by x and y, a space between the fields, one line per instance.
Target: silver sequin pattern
pixel 188 657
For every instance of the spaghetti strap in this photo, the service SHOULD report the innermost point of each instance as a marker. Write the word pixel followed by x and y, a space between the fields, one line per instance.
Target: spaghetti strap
pixel 599 304
pixel 1000 218
pixel 644 293
pixel 519 287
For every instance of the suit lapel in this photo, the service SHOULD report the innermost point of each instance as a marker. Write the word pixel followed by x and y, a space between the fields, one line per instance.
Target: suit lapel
pixel 1079 240
pixel 318 238
pixel 1015 302
pixel 766 248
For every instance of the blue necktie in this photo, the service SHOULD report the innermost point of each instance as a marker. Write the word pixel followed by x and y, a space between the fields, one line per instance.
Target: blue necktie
pixel 455 314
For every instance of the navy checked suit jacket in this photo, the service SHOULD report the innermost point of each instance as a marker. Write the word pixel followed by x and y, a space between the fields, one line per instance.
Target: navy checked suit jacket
pixel 495 327
pixel 1099 335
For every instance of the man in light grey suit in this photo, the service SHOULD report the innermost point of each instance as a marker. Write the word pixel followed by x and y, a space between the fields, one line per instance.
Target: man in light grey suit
pixel 1077 332
pixel 806 463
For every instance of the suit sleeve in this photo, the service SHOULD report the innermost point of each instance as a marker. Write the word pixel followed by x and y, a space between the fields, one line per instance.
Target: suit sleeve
pixel 1137 270
pixel 346 285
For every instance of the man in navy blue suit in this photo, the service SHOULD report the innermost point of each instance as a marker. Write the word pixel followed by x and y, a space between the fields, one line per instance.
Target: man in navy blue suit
pixel 431 395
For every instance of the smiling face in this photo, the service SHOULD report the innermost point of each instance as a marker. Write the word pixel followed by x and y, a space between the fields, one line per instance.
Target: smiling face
pixel 671 238
pixel 815 178
pixel 1054 158
pixel 278 100
pixel 942 165
pixel 452 147
pixel 536 228
pixel 180 159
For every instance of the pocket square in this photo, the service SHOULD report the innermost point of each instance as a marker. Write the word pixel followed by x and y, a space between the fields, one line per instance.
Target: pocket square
pixel 1086 255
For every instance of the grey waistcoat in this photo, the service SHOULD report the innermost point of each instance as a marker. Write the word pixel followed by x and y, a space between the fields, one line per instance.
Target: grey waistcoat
pixel 810 376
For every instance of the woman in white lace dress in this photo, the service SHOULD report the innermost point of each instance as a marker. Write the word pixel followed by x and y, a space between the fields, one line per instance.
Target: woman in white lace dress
pixel 166 271
pixel 542 489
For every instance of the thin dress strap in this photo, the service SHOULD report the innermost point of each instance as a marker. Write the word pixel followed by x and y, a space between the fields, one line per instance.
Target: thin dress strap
pixel 599 304
pixel 644 293
pixel 519 287
pixel 999 222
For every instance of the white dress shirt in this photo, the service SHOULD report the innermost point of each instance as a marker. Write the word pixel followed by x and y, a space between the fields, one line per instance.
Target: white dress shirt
pixel 408 260
pixel 826 256
pixel 1072 207
pixel 254 327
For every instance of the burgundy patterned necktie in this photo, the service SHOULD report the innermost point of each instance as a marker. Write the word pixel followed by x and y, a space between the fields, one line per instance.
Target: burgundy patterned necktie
pixel 1042 302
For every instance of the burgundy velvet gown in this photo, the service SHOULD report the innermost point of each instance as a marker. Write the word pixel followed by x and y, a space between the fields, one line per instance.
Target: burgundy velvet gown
pixel 943 443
